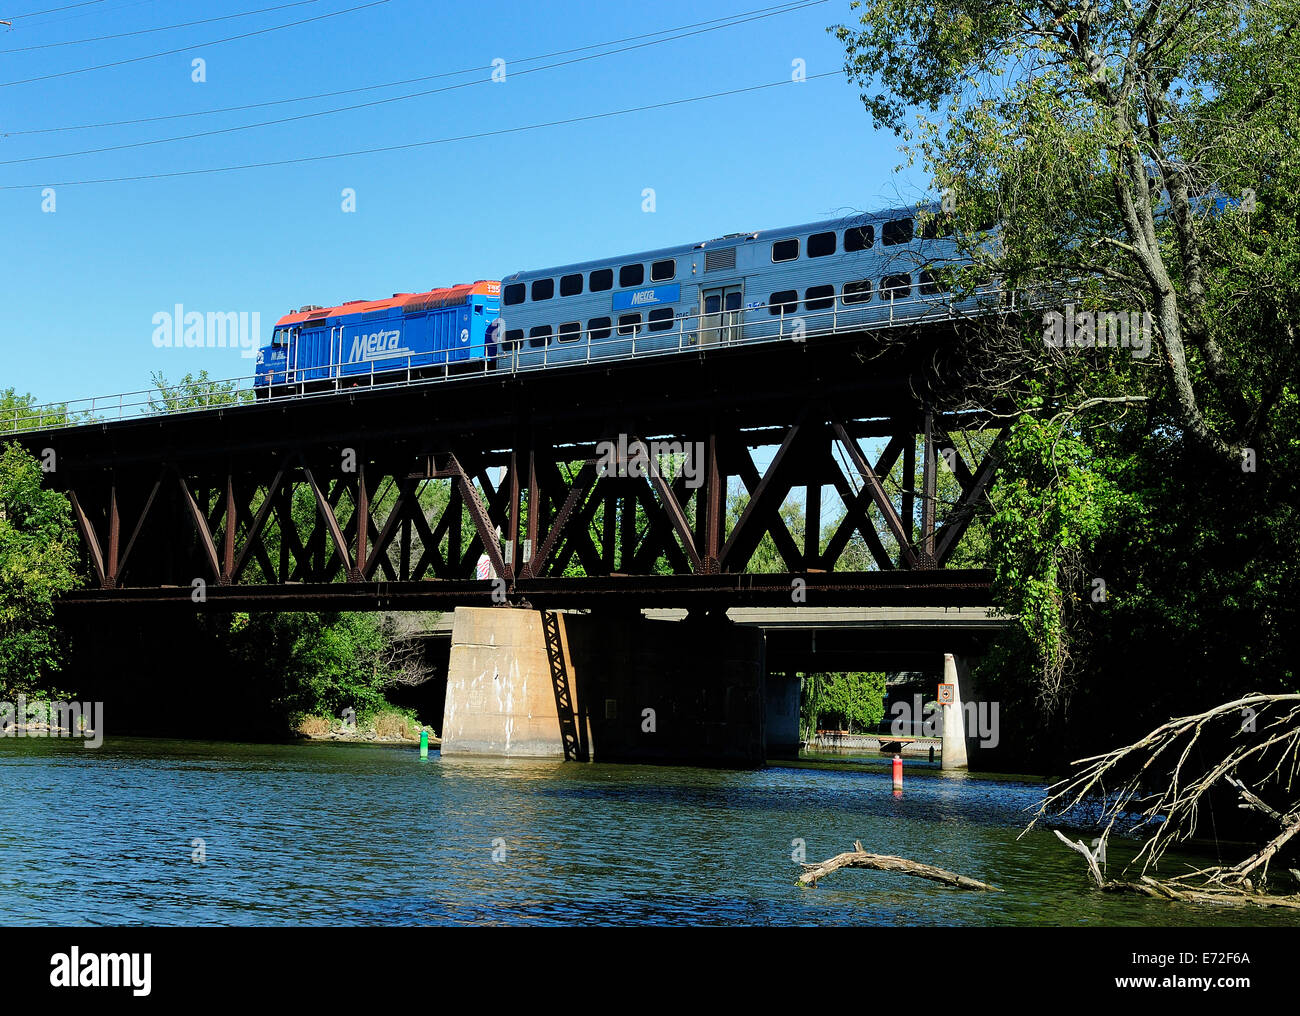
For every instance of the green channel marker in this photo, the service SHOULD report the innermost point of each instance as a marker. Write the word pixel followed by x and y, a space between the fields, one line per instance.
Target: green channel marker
pixel 424 744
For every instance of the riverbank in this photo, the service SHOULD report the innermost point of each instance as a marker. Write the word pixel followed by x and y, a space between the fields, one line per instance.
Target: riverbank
pixel 382 728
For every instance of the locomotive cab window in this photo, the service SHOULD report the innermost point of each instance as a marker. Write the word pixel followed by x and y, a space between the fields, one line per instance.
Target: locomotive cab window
pixel 821 244
pixel 631 275
pixel 819 297
pixel 570 331
pixel 785 250
pixel 858 238
pixel 661 319
pixel 897 231
pixel 628 324
pixel 784 302
pixel 539 336
pixel 663 271
pixel 513 294
pixel 571 285
pixel 601 280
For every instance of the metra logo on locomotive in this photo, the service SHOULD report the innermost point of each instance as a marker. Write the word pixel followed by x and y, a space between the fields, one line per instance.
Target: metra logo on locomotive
pixel 375 345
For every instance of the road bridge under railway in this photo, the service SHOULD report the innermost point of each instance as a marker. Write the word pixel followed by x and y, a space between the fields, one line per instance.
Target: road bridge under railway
pixel 386 499
pixel 796 640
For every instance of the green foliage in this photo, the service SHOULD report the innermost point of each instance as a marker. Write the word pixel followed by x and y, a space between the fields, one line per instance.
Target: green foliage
pixel 313 663
pixel 1056 499
pixel 1142 159
pixel 194 391
pixel 854 702
pixel 22 413
pixel 38 562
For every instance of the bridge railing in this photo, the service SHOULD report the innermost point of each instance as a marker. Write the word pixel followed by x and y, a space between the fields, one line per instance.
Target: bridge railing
pixel 685 333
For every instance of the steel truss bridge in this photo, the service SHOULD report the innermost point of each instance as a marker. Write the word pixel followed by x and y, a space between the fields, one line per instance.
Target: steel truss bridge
pixel 384 497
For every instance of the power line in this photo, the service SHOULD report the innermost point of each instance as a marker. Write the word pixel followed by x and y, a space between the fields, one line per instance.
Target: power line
pixel 89 14
pixel 418 144
pixel 779 8
pixel 193 46
pixel 165 28
pixel 381 102
pixel 52 10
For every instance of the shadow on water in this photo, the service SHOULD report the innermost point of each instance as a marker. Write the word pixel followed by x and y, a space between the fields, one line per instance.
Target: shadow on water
pixel 328 834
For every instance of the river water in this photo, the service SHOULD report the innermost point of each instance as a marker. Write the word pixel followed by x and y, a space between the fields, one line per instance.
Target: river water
pixel 339 834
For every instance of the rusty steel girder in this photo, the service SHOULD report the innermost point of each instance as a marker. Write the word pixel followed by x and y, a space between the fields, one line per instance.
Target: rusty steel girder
pixel 340 494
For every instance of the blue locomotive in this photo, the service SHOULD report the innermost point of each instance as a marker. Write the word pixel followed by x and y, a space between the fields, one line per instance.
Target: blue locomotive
pixel 410 335
pixel 835 275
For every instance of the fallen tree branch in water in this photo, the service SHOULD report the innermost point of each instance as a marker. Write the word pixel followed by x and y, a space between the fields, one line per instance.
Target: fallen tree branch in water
pixel 1166 777
pixel 859 858
pixel 1221 895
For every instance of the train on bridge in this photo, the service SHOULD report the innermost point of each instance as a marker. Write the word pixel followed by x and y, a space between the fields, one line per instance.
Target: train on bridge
pixel 835 275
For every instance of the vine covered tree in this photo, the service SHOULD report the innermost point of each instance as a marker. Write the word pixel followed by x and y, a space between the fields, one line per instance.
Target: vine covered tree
pixel 38 562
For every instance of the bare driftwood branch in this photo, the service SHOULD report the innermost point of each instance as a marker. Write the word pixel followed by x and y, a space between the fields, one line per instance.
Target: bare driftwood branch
pixel 1172 889
pixel 859 858
pixel 1091 858
pixel 1128 780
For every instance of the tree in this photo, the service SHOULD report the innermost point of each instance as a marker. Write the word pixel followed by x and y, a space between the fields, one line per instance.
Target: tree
pixel 20 413
pixel 38 562
pixel 194 391
pixel 1142 153
pixel 844 701
pixel 1138 159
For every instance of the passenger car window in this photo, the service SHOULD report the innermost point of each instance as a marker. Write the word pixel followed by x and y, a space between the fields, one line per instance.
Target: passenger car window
pixel 857 292
pixel 785 250
pixel 784 302
pixel 897 231
pixel 895 287
pixel 819 297
pixel 821 244
pixel 858 238
pixel 661 319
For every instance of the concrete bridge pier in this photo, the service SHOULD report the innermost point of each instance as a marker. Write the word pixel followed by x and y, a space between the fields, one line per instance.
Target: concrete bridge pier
pixel 954 728
pixel 782 693
pixel 970 723
pixel 611 687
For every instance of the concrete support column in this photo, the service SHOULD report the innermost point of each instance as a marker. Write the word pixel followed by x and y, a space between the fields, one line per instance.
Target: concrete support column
pixel 604 687
pixel 954 728
pixel 782 699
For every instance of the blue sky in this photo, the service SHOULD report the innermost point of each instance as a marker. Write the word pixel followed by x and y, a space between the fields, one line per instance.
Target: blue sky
pixel 81 285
